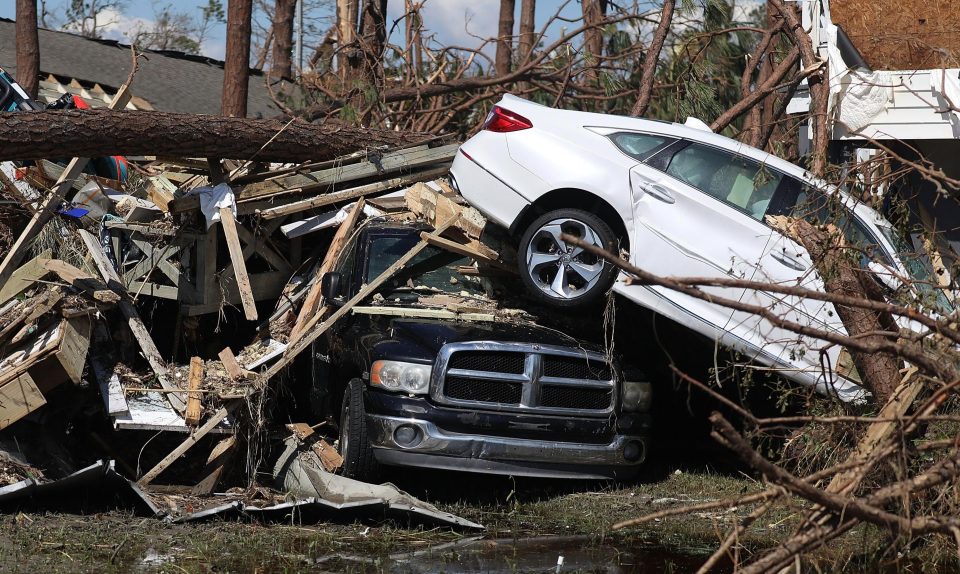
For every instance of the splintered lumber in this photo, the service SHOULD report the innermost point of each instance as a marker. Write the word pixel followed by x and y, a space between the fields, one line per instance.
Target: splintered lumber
pixel 160 191
pixel 25 276
pixel 229 225
pixel 347 194
pixel 435 207
pixel 311 305
pixel 314 331
pixel 329 457
pixel 377 165
pixel 47 209
pixel 98 132
pixel 218 460
pixel 191 415
pixel 233 368
pixel 193 439
pixel 139 330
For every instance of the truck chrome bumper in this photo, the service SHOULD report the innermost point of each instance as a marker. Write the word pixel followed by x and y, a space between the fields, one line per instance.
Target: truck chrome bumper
pixel 413 442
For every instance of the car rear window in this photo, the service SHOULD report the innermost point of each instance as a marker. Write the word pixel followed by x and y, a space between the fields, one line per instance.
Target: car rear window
pixel 638 146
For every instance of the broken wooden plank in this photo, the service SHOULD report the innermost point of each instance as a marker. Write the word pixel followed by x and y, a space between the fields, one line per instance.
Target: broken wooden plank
pixel 313 331
pixel 466 250
pixel 348 194
pixel 81 280
pixel 194 405
pixel 388 163
pixel 48 208
pixel 25 276
pixel 18 398
pixel 312 304
pixel 219 458
pixel 232 367
pixel 329 457
pixel 139 330
pixel 229 225
pixel 193 439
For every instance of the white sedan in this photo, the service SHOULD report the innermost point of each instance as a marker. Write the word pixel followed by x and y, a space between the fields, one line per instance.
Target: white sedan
pixel 684 202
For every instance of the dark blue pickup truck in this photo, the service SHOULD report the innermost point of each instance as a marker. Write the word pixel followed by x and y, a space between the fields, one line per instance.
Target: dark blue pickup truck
pixel 426 387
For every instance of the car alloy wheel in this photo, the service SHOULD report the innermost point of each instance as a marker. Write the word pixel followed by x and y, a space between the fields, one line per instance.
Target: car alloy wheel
pixel 559 269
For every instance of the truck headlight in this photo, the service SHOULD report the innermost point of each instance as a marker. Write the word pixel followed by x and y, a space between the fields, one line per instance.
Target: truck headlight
pixel 401 376
pixel 636 396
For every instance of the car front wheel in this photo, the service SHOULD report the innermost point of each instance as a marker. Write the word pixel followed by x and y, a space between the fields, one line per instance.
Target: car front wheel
pixel 558 273
pixel 358 459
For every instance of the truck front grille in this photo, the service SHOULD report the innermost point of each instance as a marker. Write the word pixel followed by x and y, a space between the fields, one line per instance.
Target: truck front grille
pixel 466 389
pixel 525 378
pixel 574 398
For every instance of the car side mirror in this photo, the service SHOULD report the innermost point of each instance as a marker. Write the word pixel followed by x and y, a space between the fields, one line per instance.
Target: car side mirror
pixel 330 287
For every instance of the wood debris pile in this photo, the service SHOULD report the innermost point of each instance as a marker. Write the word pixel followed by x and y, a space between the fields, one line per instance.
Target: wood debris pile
pixel 173 300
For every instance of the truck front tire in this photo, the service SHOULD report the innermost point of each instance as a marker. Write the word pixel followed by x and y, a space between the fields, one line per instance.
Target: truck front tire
pixel 358 460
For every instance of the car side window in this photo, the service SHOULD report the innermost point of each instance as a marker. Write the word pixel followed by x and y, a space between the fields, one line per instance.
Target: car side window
pixel 637 145
pixel 733 179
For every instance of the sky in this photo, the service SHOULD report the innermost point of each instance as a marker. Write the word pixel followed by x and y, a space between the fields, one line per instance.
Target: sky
pixel 455 22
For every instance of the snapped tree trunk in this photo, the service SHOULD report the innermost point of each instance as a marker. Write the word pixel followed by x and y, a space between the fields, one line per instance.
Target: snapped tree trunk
pixel 839 268
pixel 28 47
pixel 346 36
pixel 373 36
pixel 650 59
pixel 236 65
pixel 504 55
pixel 594 11
pixel 95 133
pixel 282 66
pixel 528 14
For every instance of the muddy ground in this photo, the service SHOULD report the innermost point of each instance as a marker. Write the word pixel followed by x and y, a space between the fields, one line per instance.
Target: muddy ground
pixel 530 523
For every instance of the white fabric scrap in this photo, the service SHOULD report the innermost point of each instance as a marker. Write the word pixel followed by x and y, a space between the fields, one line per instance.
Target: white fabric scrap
pixel 864 98
pixel 213 198
pixel 325 220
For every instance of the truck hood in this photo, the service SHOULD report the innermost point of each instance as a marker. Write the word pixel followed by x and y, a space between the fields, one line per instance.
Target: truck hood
pixel 420 340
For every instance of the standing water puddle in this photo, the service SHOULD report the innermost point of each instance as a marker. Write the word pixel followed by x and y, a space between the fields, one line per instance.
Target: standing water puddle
pixel 542 555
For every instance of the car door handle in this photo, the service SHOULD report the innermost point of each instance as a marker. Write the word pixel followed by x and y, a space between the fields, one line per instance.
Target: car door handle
pixel 657 191
pixel 791 262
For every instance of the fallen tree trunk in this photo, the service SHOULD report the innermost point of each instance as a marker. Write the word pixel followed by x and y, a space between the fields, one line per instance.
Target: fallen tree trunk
pixel 838 267
pixel 95 133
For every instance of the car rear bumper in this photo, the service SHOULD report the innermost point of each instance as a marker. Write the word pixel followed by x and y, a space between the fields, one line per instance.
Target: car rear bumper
pixel 432 447
pixel 493 197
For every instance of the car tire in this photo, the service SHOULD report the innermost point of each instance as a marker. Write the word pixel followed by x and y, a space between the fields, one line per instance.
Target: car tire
pixel 542 256
pixel 358 459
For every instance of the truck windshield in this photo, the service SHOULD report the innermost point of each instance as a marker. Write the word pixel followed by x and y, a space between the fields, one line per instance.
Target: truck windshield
pixel 432 270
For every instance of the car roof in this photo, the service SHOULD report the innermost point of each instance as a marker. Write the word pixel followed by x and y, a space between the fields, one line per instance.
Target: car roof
pixel 591 119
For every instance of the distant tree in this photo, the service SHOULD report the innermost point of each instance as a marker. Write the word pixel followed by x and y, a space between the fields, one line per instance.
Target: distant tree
pixel 176 30
pixel 90 17
pixel 236 68
pixel 282 65
pixel 28 46
pixel 504 55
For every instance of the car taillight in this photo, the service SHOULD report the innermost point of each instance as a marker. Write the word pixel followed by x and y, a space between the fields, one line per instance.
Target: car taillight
pixel 501 121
